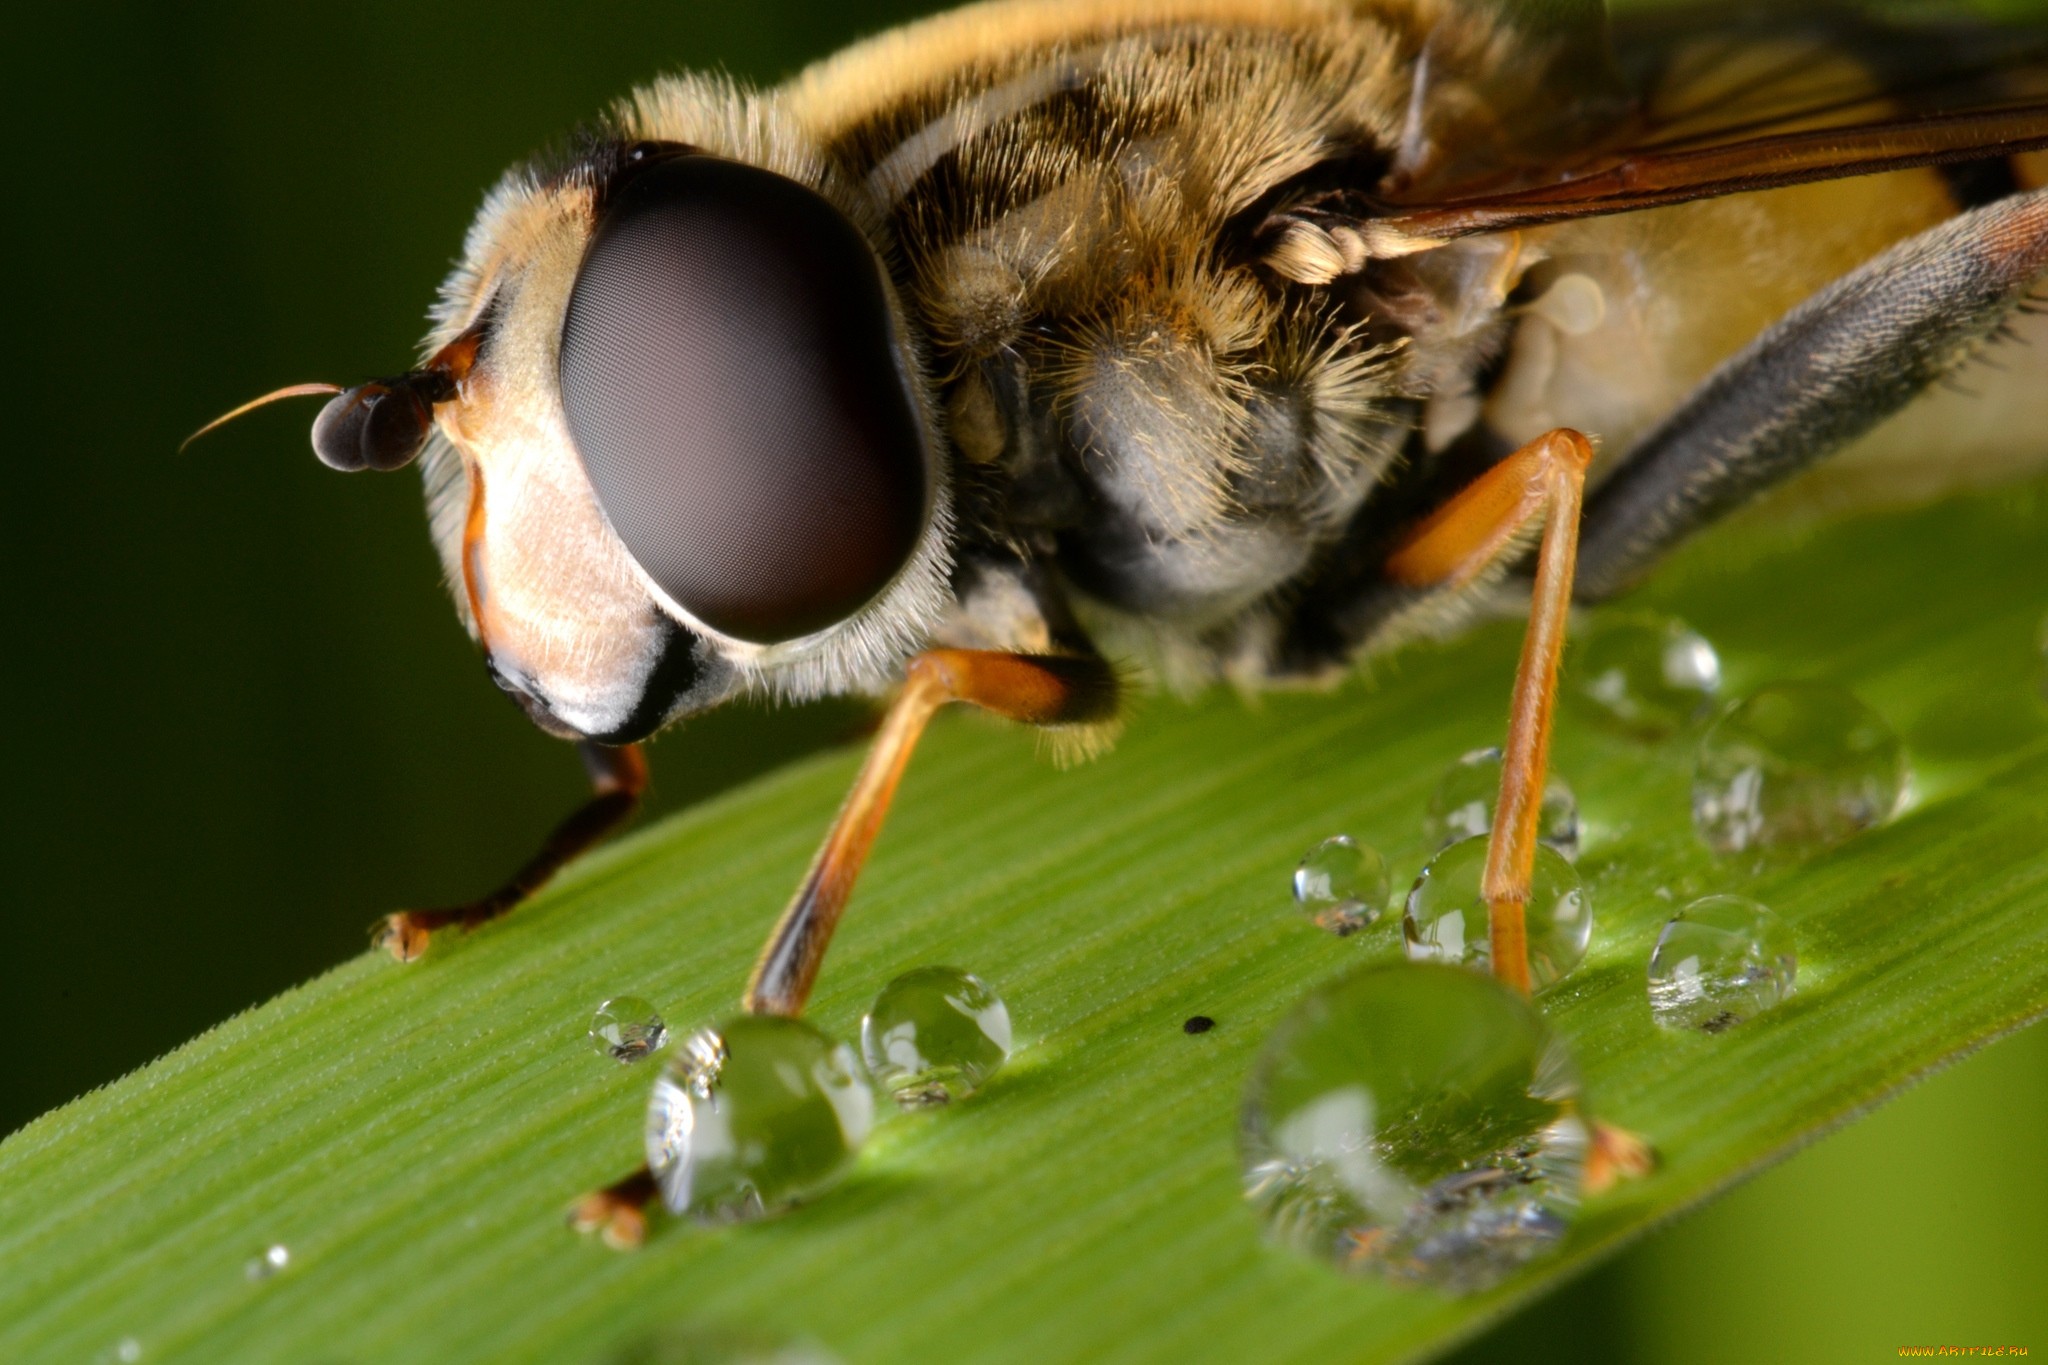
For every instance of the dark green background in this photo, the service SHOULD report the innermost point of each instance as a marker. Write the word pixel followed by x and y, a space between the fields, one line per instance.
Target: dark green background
pixel 242 721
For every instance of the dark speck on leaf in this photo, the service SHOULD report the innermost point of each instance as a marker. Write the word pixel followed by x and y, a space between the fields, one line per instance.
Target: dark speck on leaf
pixel 1200 1023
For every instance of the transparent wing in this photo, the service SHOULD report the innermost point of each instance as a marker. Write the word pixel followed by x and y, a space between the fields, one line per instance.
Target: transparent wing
pixel 1712 103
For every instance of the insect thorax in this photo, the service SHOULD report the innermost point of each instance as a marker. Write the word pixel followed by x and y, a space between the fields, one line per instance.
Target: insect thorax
pixel 1176 431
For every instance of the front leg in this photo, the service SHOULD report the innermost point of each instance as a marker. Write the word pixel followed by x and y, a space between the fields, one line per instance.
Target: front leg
pixel 1038 689
pixel 618 778
pixel 1047 690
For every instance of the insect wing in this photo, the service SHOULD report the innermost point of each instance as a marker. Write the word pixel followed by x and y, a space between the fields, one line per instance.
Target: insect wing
pixel 1741 109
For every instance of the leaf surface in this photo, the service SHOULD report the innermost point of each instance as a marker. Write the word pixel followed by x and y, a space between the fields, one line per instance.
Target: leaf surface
pixel 415 1135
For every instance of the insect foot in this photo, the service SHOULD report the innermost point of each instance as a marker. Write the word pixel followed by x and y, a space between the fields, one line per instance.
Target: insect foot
pixel 1616 1155
pixel 402 935
pixel 618 1213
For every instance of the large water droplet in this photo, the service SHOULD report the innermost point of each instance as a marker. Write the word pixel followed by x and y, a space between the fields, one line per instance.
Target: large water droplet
pixel 1644 674
pixel 753 1116
pixel 1446 919
pixel 627 1028
pixel 1416 1121
pixel 272 1260
pixel 1795 764
pixel 1722 960
pixel 1343 884
pixel 1464 800
pixel 934 1035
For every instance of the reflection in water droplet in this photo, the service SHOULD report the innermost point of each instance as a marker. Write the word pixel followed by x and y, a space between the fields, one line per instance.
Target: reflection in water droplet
pixel 1446 918
pixel 1342 884
pixel 753 1116
pixel 1463 805
pixel 627 1028
pixel 934 1035
pixel 716 1346
pixel 268 1262
pixel 1795 764
pixel 1416 1121
pixel 1722 960
pixel 1645 674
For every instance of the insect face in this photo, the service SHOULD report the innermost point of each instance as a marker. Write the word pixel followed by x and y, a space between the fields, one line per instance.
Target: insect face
pixel 693 454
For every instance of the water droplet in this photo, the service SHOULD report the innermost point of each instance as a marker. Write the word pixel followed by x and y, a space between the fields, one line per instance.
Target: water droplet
pixel 627 1028
pixel 127 1350
pixel 935 1034
pixel 1795 764
pixel 1416 1121
pixel 1648 675
pixel 1722 960
pixel 1342 884
pixel 1463 805
pixel 268 1262
pixel 753 1116
pixel 1446 918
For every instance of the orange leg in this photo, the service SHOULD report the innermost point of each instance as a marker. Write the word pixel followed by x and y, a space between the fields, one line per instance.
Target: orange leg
pixel 1542 484
pixel 1035 689
pixel 618 777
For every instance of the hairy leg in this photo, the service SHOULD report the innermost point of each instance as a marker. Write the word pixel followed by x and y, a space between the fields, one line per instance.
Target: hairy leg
pixel 1830 370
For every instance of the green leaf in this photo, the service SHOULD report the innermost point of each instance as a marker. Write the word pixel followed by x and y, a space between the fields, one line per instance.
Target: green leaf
pixel 414 1135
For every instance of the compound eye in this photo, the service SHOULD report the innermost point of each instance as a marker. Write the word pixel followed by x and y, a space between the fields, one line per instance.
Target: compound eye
pixel 734 387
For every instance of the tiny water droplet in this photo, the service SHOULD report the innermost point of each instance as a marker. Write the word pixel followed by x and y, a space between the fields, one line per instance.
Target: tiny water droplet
pixel 753 1116
pixel 1342 884
pixel 127 1350
pixel 1464 800
pixel 1644 674
pixel 268 1262
pixel 1796 764
pixel 1721 960
pixel 1415 1121
pixel 1446 919
pixel 627 1028
pixel 934 1035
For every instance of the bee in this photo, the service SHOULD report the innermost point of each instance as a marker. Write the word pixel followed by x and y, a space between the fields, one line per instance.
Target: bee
pixel 1044 342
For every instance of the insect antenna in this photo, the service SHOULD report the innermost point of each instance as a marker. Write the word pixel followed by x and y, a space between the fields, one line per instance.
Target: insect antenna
pixel 288 391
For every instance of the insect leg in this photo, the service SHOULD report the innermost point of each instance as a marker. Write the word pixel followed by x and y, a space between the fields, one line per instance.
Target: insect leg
pixel 619 1210
pixel 1035 689
pixel 1829 371
pixel 1473 532
pixel 1038 689
pixel 618 776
